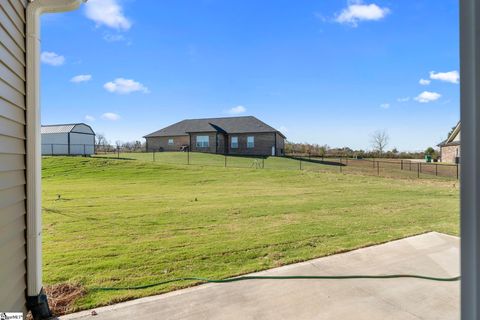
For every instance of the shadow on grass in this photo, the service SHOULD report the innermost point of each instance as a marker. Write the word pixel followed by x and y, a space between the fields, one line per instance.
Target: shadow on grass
pixel 115 158
pixel 318 161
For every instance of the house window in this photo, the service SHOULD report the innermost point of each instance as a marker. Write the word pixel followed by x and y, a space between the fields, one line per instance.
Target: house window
pixel 203 141
pixel 251 142
pixel 234 142
pixel 170 141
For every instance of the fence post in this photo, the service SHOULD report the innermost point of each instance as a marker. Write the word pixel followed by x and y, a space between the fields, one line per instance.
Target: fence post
pixel 300 164
pixel 373 163
pixel 418 170
pixel 401 164
pixel 188 157
pixel 378 168
pixel 153 155
pixel 118 152
pixel 225 160
pixel 457 170
pixel 436 169
pixel 263 163
pixel 52 148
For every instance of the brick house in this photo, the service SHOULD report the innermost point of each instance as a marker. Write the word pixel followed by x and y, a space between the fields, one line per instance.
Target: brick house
pixel 450 148
pixel 232 135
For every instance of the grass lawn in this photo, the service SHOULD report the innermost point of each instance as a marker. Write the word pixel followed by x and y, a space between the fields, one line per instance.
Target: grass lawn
pixel 131 222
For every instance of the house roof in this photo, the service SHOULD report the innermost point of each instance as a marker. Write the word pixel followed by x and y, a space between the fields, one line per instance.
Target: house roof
pixel 451 138
pixel 62 128
pixel 231 125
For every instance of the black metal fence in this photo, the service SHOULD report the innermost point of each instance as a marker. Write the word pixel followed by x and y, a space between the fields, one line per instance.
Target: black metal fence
pixel 395 168
pixel 382 166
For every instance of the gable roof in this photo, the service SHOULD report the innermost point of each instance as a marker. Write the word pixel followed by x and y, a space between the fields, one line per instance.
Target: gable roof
pixel 62 128
pixel 231 125
pixel 451 138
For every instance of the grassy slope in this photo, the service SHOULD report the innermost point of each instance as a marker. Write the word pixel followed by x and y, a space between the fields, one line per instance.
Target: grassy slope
pixel 392 170
pixel 122 223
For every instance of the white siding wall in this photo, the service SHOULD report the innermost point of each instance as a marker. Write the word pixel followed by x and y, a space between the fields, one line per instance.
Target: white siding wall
pixel 82 143
pixel 56 142
pixel 457 138
pixel 12 155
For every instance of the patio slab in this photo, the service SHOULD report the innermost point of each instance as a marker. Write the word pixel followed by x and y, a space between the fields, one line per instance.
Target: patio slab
pixel 431 254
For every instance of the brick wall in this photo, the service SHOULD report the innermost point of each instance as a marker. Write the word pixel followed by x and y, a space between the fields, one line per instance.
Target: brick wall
pixel 212 137
pixel 221 139
pixel 280 145
pixel 263 144
pixel 161 143
pixel 449 153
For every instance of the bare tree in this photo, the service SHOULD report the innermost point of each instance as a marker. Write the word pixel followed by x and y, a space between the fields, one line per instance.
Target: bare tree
pixel 380 140
pixel 101 140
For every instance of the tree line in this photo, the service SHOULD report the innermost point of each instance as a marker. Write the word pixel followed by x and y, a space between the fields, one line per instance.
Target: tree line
pixel 379 141
pixel 104 145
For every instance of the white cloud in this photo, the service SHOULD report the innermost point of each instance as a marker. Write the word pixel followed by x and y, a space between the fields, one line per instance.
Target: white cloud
pixel 357 11
pixel 237 110
pixel 110 116
pixel 108 13
pixel 81 78
pixel 125 86
pixel 427 96
pixel 89 118
pixel 451 76
pixel 52 58
pixel 424 82
pixel 385 105
pixel 114 37
pixel 403 99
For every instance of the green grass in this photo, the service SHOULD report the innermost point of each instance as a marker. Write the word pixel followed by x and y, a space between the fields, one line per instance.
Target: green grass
pixel 129 223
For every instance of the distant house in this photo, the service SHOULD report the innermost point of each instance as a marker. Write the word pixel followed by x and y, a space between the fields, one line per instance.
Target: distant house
pixel 233 135
pixel 68 139
pixel 450 148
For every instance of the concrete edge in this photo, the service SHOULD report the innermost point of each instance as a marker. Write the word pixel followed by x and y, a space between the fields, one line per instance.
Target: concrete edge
pixel 158 297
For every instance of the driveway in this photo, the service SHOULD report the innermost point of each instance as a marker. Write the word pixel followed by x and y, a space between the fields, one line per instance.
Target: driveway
pixel 431 254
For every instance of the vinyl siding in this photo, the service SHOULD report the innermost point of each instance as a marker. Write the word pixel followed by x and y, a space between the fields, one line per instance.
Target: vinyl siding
pixel 12 155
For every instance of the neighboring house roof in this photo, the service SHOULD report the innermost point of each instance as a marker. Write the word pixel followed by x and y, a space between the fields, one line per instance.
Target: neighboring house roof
pixel 229 125
pixel 451 138
pixel 62 128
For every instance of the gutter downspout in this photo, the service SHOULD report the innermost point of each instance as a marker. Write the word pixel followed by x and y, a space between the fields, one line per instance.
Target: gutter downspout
pixel 36 298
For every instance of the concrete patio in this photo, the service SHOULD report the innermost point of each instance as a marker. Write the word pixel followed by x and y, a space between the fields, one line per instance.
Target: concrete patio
pixel 431 254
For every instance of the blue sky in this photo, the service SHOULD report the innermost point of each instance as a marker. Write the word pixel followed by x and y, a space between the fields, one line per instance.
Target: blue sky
pixel 322 71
